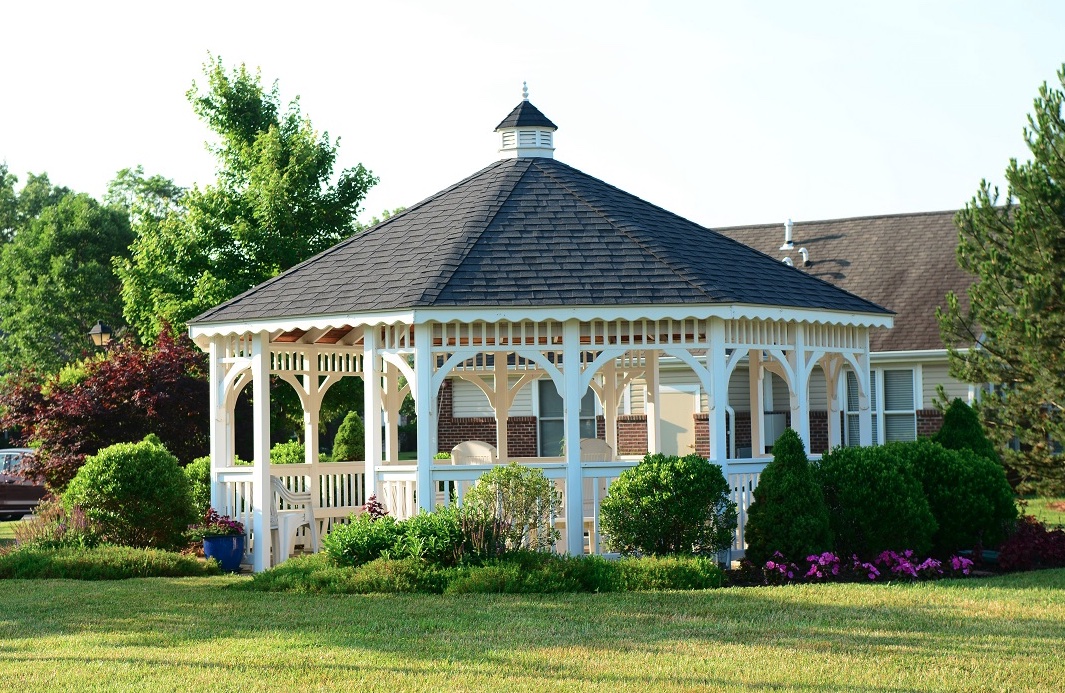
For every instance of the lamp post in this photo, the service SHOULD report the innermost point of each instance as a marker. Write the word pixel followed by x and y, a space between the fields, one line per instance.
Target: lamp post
pixel 100 334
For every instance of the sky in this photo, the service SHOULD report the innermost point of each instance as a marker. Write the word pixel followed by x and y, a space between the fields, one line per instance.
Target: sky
pixel 726 113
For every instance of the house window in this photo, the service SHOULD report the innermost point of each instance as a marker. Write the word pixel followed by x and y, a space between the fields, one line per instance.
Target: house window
pixel 552 422
pixel 894 406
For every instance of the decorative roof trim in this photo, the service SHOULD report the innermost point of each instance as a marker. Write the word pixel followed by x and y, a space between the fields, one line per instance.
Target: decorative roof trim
pixel 205 331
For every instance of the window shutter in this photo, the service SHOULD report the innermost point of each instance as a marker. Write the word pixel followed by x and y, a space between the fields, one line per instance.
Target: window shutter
pixel 898 390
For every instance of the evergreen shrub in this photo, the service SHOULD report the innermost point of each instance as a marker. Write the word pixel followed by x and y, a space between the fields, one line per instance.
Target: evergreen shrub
pixel 136 493
pixel 669 505
pixel 350 440
pixel 875 501
pixel 788 514
pixel 968 494
pixel 198 474
pixel 961 430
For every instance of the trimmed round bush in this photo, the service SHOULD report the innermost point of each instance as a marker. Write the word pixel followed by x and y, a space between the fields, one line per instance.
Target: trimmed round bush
pixel 292 452
pixel 669 505
pixel 961 430
pixel 198 474
pixel 788 514
pixel 967 493
pixel 350 440
pixel 137 493
pixel 876 502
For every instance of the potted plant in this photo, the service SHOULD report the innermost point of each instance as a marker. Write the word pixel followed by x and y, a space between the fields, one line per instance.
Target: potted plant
pixel 223 539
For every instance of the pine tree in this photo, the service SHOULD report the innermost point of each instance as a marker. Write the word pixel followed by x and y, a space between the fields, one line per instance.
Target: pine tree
pixel 1015 320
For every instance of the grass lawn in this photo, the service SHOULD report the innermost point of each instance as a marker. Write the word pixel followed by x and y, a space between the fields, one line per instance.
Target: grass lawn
pixel 1040 507
pixel 7 530
pixel 177 634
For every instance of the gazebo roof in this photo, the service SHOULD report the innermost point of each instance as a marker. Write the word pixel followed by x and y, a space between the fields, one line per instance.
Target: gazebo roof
pixel 533 232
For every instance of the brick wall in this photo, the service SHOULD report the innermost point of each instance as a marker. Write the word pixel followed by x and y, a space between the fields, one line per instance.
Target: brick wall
pixel 632 434
pixel 929 421
pixel 450 431
pixel 818 432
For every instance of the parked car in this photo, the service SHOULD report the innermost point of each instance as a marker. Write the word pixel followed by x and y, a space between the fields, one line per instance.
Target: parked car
pixel 18 495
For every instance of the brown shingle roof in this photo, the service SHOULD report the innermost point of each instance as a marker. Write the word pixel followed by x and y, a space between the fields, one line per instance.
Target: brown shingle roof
pixel 904 262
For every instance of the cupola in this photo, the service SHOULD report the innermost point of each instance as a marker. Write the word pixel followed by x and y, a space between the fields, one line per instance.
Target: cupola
pixel 526 131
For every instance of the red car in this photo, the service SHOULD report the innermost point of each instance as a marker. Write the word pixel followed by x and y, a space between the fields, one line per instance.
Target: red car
pixel 18 495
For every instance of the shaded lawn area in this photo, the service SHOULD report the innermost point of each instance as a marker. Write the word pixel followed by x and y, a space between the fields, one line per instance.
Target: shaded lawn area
pixel 1046 510
pixel 165 634
pixel 7 531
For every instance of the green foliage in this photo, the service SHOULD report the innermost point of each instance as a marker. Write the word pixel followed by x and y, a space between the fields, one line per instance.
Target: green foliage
pixel 52 526
pixel 275 203
pixel 442 456
pixel 1015 309
pixel 669 505
pixel 292 452
pixel 521 572
pixel 961 430
pixel 137 493
pixel 198 475
pixel 100 563
pixel 362 540
pixel 350 441
pixel 518 504
pixel 56 281
pixel 435 537
pixel 967 493
pixel 875 501
pixel 788 514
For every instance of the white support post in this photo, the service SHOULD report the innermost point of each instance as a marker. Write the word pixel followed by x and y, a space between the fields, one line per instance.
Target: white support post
pixel 717 361
pixel 571 402
pixel 651 403
pixel 610 406
pixel 263 494
pixel 757 396
pixel 392 404
pixel 865 412
pixel 425 405
pixel 219 420
pixel 371 393
pixel 500 400
pixel 800 392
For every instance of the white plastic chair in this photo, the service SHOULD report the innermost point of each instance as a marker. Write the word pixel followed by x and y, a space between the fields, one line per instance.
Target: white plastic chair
pixel 596 450
pixel 284 523
pixel 473 452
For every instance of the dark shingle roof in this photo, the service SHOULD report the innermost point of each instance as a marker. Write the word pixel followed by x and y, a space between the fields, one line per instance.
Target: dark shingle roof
pixel 526 115
pixel 905 262
pixel 533 232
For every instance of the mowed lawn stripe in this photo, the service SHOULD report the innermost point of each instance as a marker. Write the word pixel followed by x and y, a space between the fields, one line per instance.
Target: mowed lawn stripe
pixel 165 634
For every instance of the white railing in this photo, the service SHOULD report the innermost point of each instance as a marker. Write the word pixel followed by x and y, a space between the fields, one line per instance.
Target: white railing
pixel 341 491
pixel 743 477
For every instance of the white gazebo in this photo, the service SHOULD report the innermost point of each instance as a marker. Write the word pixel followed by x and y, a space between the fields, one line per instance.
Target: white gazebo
pixel 527 270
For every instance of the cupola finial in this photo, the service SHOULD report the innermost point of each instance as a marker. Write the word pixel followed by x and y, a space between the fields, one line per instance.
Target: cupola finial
pixel 524 91
pixel 526 131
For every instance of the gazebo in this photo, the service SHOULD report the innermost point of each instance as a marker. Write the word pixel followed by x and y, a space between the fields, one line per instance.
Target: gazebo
pixel 526 270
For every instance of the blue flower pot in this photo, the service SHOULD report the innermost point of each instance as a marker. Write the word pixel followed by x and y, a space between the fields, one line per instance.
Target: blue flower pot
pixel 227 550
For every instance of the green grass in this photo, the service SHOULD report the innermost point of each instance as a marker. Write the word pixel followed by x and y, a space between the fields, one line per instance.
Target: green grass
pixel 1043 513
pixel 179 634
pixel 7 531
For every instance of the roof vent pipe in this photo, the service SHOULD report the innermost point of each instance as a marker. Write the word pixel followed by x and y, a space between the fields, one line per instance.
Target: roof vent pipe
pixel 787 261
pixel 788 245
pixel 805 257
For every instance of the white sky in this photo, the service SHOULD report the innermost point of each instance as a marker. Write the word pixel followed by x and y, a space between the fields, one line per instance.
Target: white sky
pixel 723 112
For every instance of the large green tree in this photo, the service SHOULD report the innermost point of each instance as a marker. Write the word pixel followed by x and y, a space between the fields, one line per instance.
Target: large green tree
pixel 56 276
pixel 1015 322
pixel 275 203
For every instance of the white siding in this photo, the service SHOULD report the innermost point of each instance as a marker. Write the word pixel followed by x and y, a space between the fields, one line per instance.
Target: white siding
pixel 468 399
pixel 934 374
pixel 739 390
pixel 818 390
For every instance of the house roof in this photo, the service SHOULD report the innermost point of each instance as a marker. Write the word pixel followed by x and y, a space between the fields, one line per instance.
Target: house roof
pixel 526 115
pixel 533 232
pixel 905 262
